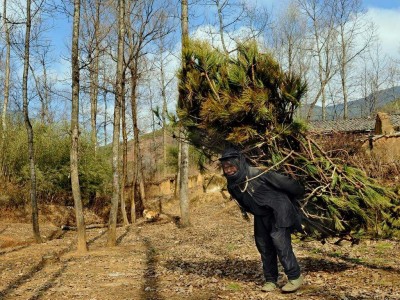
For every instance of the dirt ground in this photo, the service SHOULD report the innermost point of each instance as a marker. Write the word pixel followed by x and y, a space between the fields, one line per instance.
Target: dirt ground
pixel 215 258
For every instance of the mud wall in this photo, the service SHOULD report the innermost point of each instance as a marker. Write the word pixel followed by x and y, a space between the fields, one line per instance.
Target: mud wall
pixel 384 148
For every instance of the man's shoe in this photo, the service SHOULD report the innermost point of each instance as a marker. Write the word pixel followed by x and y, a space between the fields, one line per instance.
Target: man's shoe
pixel 293 285
pixel 269 286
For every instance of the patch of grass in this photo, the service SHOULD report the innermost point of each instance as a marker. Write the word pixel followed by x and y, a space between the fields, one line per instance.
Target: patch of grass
pixel 385 283
pixel 355 260
pixel 383 246
pixel 231 247
pixel 316 251
pixel 336 254
pixel 233 286
pixel 378 261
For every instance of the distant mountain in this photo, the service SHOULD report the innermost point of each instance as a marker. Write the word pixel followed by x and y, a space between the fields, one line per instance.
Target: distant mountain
pixel 357 108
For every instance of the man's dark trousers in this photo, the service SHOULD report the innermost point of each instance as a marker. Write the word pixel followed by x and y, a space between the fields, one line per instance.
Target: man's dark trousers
pixel 272 243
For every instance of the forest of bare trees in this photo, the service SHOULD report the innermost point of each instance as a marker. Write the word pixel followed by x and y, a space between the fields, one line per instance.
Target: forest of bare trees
pixel 85 80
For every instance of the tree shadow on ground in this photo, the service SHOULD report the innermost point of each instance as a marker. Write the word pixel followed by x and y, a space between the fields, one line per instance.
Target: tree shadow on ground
pixel 49 283
pixel 150 287
pixel 2 230
pixel 356 261
pixel 19 280
pixel 122 236
pixel 247 270
pixel 235 269
pixel 310 264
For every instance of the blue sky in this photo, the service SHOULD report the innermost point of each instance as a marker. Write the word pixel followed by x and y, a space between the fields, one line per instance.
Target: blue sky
pixel 386 16
pixel 384 13
pixel 388 4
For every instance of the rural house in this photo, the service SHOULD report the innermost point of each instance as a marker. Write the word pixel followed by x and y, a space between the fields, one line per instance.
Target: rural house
pixel 380 137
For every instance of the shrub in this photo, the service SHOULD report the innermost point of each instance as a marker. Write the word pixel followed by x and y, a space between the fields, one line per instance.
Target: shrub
pixel 52 156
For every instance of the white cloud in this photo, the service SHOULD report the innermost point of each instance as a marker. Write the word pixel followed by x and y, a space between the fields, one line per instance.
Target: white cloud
pixel 212 34
pixel 387 22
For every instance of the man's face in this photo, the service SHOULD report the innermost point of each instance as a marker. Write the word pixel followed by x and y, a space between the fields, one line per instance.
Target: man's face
pixel 229 168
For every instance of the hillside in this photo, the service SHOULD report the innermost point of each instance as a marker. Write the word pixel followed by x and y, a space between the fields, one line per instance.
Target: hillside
pixel 215 258
pixel 357 108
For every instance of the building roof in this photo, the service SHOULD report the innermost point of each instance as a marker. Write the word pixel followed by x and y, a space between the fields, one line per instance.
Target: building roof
pixel 350 125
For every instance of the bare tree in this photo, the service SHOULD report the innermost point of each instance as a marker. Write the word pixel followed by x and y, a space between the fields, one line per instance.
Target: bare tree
pixel 233 15
pixel 116 132
pixel 322 27
pixel 354 36
pixel 374 76
pixel 184 159
pixel 147 24
pixel 42 83
pixel 124 173
pixel 164 83
pixel 289 40
pixel 94 75
pixel 28 125
pixel 6 29
pixel 95 29
pixel 291 44
pixel 3 124
pixel 76 191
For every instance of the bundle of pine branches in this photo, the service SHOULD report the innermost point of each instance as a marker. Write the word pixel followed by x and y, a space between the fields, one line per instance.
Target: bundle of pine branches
pixel 246 99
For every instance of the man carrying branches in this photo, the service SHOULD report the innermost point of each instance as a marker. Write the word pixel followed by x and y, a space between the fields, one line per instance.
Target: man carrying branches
pixel 267 196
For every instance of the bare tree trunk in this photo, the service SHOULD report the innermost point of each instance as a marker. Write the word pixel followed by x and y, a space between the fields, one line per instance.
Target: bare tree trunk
pixel 141 184
pixel 105 106
pixel 45 106
pixel 136 149
pixel 7 69
pixel 136 201
pixel 42 90
pixel 124 175
pixel 355 36
pixel 221 24
pixel 178 175
pixel 28 125
pixel 183 189
pixel 184 170
pixel 76 192
pixel 322 19
pixel 117 116
pixel 164 115
pixel 94 79
pixel 3 124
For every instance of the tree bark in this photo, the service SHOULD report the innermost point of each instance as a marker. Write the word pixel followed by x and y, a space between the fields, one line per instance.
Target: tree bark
pixel 136 201
pixel 76 192
pixel 7 71
pixel 164 115
pixel 184 169
pixel 3 124
pixel 124 177
pixel 116 132
pixel 183 189
pixel 137 204
pixel 94 79
pixel 28 125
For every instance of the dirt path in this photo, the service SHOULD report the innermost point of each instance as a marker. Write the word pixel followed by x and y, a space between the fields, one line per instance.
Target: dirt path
pixel 215 258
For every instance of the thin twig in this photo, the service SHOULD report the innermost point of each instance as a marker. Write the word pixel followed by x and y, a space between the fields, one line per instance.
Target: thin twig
pixel 268 169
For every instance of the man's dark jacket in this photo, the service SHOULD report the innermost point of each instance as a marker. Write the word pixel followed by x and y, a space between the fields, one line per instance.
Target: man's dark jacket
pixel 265 193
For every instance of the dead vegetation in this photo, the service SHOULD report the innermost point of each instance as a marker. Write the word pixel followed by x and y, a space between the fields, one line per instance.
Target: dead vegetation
pixel 215 258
